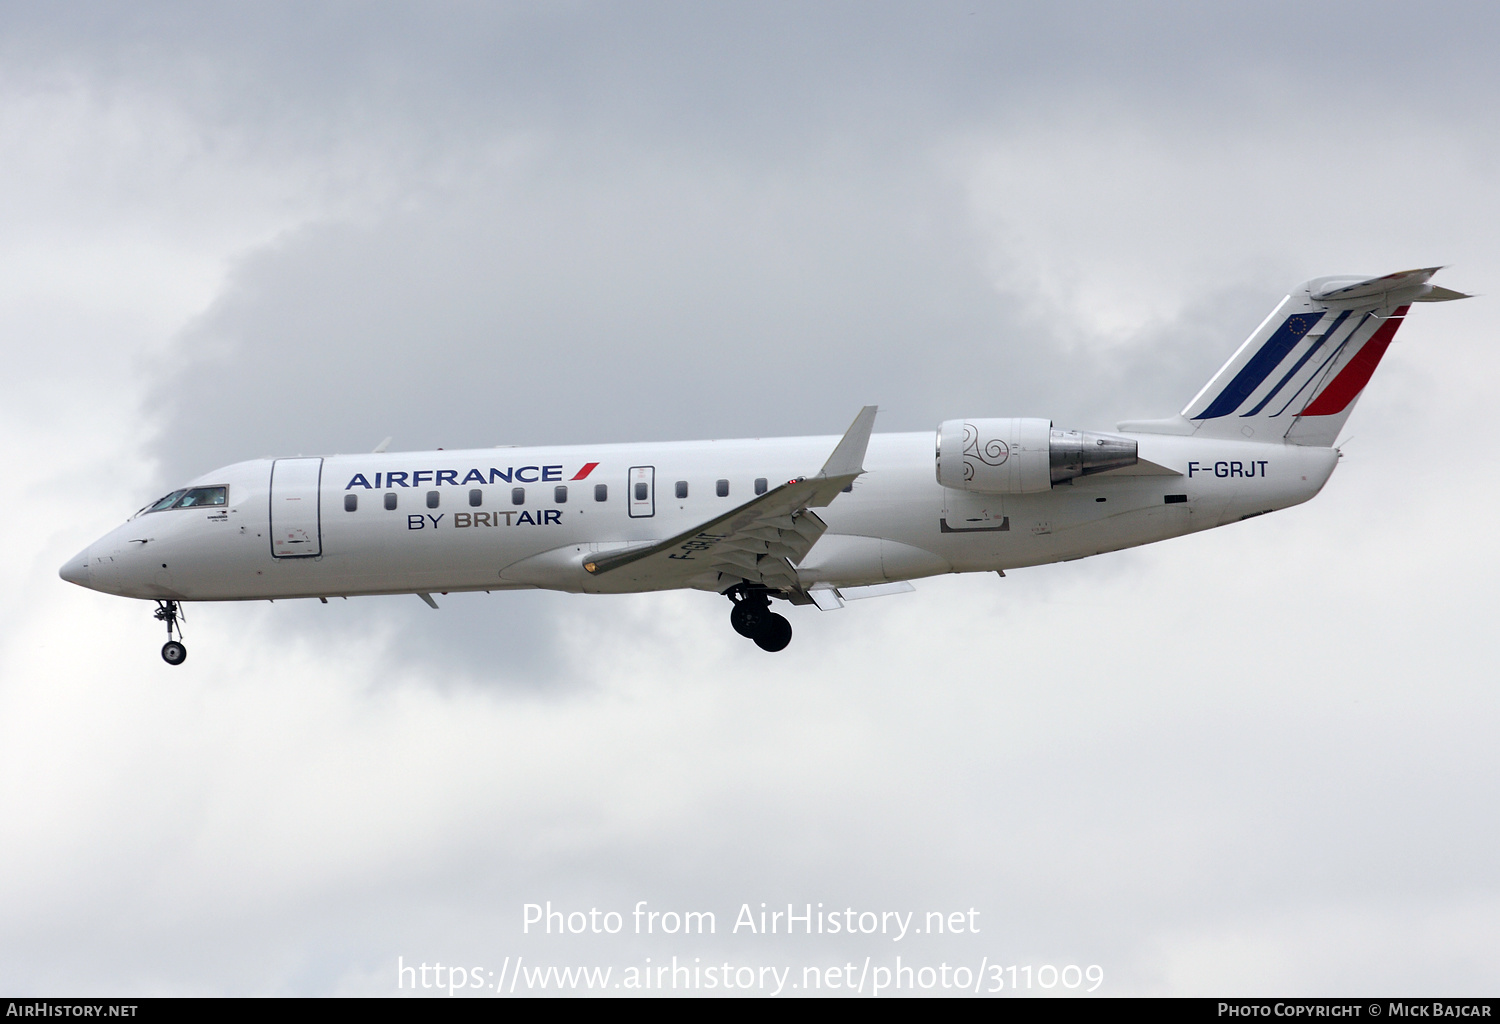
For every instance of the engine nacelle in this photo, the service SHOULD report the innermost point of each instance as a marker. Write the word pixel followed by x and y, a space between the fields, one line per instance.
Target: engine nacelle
pixel 1023 456
pixel 1009 456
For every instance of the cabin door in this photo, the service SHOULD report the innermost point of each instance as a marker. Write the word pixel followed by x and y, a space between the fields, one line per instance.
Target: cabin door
pixel 296 529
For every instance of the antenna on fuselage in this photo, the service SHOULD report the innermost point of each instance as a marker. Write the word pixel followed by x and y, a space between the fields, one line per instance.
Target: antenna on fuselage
pixel 382 446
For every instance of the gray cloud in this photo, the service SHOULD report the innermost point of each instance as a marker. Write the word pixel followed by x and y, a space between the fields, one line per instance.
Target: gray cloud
pixel 1247 760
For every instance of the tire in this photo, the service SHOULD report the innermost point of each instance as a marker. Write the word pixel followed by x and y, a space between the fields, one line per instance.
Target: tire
pixel 746 622
pixel 775 633
pixel 173 653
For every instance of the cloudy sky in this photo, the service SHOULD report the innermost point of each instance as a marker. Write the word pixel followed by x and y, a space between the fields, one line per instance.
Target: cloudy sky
pixel 1255 761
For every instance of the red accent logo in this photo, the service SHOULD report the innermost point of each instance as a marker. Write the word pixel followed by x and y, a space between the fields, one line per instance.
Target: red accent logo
pixel 588 467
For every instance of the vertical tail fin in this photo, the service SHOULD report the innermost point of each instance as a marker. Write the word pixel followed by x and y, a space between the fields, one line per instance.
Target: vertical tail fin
pixel 1296 379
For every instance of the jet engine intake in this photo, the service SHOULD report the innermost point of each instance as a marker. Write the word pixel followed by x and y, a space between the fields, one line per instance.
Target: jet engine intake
pixel 1023 456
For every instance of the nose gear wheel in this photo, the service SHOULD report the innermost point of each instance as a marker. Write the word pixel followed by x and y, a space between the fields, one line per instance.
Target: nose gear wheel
pixel 173 652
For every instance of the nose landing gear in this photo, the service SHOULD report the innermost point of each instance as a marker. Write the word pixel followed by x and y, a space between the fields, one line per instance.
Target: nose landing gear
pixel 752 617
pixel 172 652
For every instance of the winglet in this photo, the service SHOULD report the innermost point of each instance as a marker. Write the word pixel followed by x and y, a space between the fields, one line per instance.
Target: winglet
pixel 849 457
pixel 847 461
pixel 382 446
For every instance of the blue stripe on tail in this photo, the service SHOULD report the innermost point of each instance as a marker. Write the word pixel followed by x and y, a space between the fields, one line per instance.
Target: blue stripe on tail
pixel 1260 365
pixel 1298 365
pixel 1317 375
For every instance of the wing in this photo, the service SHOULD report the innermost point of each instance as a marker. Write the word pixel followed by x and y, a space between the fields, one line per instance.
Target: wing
pixel 759 542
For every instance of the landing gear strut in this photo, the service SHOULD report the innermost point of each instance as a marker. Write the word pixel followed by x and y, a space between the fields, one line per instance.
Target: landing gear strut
pixel 172 652
pixel 752 617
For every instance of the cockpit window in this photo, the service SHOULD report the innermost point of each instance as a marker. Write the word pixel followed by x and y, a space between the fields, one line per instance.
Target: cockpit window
pixel 203 496
pixel 161 503
pixel 190 497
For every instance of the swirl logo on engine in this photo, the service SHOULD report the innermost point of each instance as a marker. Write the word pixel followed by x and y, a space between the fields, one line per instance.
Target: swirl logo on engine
pixel 993 452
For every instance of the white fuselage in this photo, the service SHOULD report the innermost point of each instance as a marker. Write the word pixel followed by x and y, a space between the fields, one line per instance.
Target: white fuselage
pixel 498 523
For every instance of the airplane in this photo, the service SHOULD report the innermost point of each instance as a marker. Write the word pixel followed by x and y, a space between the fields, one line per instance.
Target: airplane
pixel 806 520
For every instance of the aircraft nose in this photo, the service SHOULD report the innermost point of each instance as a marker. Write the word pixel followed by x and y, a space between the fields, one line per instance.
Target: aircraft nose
pixel 77 569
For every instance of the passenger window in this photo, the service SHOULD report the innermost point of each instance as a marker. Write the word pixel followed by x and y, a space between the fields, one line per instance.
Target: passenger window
pixel 390 501
pixel 351 502
pixel 203 496
pixel 722 488
pixel 640 492
pixel 760 485
pixel 560 494
pixel 433 497
pixel 682 488
pixel 601 492
pixel 476 497
pixel 518 495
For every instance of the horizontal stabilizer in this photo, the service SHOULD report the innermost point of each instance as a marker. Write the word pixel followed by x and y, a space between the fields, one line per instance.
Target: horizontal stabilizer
pixel 1391 290
pixel 1437 293
pixel 1296 378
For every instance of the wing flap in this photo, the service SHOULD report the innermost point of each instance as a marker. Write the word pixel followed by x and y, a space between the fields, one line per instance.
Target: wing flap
pixel 760 541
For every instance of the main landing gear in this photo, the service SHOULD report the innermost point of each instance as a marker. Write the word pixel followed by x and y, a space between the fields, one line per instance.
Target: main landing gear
pixel 752 617
pixel 172 652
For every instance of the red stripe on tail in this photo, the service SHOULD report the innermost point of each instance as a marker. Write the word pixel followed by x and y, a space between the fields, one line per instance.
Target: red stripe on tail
pixel 1345 388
